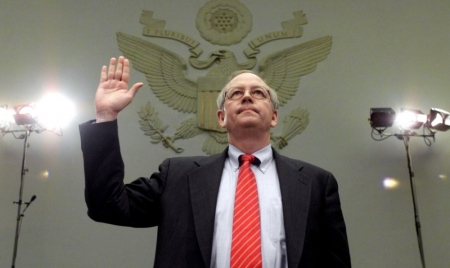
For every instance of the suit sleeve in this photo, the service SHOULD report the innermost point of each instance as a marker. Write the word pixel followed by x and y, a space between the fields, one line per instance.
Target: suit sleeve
pixel 335 230
pixel 108 199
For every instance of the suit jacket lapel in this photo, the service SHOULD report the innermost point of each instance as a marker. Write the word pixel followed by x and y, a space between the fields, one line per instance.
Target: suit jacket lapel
pixel 204 185
pixel 295 194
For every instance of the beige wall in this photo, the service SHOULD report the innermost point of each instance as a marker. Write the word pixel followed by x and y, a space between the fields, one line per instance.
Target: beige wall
pixel 384 54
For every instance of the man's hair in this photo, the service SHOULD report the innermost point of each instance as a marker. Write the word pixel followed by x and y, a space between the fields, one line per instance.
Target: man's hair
pixel 221 97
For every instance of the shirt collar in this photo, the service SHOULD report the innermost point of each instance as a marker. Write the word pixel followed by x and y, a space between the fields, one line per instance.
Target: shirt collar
pixel 265 155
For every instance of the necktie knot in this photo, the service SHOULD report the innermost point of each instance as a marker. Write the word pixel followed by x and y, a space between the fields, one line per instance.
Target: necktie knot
pixel 251 159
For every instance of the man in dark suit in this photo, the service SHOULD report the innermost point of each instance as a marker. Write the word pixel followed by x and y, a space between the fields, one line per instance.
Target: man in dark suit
pixel 191 199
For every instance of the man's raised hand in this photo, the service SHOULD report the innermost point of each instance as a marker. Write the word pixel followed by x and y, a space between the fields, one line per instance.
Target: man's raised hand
pixel 113 95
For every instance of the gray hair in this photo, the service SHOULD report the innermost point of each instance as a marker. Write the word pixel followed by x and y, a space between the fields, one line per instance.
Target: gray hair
pixel 221 98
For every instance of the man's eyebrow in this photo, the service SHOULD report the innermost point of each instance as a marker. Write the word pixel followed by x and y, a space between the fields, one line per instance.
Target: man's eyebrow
pixel 242 87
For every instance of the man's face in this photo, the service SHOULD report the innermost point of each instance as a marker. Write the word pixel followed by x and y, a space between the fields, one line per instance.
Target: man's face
pixel 248 111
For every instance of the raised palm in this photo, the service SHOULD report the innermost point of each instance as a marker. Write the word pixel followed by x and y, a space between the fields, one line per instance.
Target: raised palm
pixel 113 95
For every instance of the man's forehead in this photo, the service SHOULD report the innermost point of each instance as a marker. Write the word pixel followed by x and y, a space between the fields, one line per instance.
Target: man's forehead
pixel 246 79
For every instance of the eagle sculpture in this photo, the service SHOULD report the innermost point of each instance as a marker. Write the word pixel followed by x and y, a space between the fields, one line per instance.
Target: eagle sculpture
pixel 166 75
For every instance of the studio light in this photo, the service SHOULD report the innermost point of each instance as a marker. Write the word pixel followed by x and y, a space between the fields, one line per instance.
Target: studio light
pixel 25 114
pixel 5 118
pixel 381 117
pixel 410 119
pixel 50 113
pixel 438 120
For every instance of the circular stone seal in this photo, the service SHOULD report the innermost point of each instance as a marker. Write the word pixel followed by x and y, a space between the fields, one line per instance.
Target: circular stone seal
pixel 224 22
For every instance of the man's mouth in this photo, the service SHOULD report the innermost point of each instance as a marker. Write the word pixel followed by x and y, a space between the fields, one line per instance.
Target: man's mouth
pixel 245 109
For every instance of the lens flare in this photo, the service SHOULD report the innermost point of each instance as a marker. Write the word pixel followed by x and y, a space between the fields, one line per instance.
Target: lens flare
pixel 55 111
pixel 390 183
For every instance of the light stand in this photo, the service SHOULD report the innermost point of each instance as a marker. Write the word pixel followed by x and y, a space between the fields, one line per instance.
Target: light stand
pixel 405 138
pixel 20 214
pixel 382 118
pixel 414 198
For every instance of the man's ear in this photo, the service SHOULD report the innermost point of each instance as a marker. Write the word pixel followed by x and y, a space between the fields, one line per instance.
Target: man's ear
pixel 221 118
pixel 274 118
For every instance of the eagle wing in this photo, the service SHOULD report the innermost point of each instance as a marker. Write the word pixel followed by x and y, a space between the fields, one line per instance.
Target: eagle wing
pixel 282 69
pixel 165 72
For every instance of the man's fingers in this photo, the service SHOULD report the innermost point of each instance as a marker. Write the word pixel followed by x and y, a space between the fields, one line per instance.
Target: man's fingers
pixel 121 72
pixel 112 67
pixel 119 69
pixel 103 75
pixel 126 71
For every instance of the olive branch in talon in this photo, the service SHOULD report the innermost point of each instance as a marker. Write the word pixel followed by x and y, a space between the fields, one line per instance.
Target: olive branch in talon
pixel 154 128
pixel 293 124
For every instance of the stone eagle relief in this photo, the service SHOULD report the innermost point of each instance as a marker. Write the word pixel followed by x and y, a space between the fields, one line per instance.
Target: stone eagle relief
pixel 220 22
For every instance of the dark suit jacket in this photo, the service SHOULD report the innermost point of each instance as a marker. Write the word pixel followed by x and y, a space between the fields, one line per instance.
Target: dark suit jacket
pixel 181 200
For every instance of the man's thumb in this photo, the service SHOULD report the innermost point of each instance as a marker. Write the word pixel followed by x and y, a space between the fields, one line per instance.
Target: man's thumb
pixel 134 89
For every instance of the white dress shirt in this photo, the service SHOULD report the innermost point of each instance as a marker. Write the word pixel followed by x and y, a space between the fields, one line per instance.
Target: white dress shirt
pixel 273 242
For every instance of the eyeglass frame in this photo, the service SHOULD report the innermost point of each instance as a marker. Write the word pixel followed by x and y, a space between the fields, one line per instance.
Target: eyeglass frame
pixel 265 93
pixel 272 96
pixel 221 97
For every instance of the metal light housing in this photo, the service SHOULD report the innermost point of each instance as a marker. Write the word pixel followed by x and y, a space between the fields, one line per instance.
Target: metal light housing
pixel 438 119
pixel 381 117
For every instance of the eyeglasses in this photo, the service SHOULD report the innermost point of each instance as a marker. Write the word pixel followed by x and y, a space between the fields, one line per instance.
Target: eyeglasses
pixel 256 93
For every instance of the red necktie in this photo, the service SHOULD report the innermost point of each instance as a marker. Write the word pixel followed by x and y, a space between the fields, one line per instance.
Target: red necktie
pixel 246 240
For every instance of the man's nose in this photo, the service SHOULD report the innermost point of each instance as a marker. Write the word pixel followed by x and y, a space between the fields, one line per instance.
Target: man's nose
pixel 247 97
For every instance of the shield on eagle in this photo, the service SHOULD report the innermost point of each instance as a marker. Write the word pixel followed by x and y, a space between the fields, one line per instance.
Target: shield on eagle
pixel 208 90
